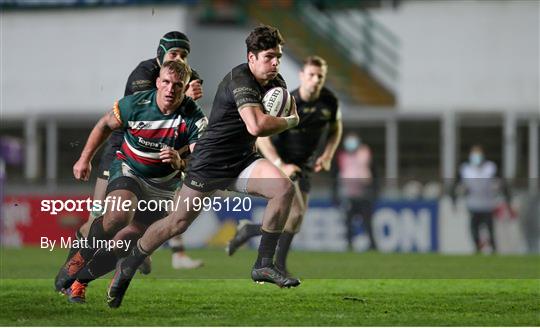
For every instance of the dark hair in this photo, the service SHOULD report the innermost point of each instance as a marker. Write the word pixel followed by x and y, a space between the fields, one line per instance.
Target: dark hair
pixel 178 67
pixel 262 38
pixel 315 61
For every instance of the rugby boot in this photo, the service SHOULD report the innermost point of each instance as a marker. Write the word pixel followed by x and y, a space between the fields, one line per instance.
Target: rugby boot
pixel 284 271
pixel 67 275
pixel 272 275
pixel 241 236
pixel 119 283
pixel 77 292
pixel 60 280
pixel 61 275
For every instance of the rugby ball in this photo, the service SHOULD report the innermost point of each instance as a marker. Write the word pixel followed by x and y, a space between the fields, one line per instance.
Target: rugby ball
pixel 277 102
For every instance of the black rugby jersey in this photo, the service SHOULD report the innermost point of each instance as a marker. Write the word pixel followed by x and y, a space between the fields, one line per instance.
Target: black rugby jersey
pixel 299 145
pixel 226 146
pixel 142 78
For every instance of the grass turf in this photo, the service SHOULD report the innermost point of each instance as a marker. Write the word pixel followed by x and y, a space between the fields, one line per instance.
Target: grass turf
pixel 339 289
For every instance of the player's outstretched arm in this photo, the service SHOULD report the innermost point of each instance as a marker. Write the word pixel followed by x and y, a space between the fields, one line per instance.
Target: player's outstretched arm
pixel 100 133
pixel 260 124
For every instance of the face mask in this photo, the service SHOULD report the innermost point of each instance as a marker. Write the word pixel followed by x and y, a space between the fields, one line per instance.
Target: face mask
pixel 476 158
pixel 351 144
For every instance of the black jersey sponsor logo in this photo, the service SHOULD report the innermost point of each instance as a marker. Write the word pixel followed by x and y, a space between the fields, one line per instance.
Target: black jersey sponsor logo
pixel 242 101
pixel 244 91
pixel 244 95
pixel 141 85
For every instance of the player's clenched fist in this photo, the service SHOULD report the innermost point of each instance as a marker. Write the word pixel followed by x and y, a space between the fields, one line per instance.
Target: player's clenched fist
pixel 82 169
pixel 194 90
pixel 323 163
pixel 169 155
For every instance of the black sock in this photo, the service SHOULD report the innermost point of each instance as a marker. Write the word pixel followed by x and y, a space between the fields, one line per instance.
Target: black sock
pixel 253 230
pixel 267 248
pixel 102 263
pixel 282 250
pixel 97 232
pixel 74 249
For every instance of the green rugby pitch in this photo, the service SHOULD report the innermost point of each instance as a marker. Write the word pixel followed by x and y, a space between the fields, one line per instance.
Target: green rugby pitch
pixel 339 289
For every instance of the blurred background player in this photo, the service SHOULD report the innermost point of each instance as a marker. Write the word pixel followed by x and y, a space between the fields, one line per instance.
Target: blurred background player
pixel 225 158
pixel 294 151
pixel 483 188
pixel 358 186
pixel 147 167
pixel 173 45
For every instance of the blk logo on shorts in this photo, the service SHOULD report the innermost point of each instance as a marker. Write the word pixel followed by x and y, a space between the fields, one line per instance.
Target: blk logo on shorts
pixel 197 184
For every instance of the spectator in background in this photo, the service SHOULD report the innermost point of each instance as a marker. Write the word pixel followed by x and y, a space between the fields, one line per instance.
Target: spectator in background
pixel 483 188
pixel 358 185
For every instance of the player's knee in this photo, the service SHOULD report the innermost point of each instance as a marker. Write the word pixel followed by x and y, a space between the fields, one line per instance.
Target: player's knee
pixel 287 190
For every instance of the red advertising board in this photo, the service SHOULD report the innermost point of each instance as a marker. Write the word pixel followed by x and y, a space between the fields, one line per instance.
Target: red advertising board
pixel 25 219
